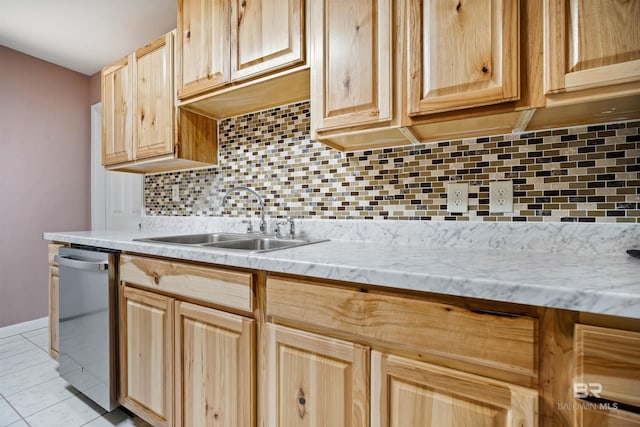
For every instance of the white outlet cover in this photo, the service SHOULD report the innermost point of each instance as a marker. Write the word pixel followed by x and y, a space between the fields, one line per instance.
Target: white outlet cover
pixel 500 196
pixel 175 193
pixel 458 197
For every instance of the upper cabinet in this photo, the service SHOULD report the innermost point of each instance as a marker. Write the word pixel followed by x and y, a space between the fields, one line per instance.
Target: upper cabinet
pixel 203 35
pixel 117 102
pixel 266 35
pixel 153 93
pixel 239 56
pixel 591 45
pixel 461 54
pixel 142 131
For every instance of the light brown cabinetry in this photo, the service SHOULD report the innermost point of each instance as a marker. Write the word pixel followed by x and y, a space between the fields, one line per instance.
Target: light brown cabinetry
pixel 54 291
pixel 215 369
pixel 153 127
pixel 146 363
pixel 404 333
pixel 238 56
pixel 591 45
pixel 117 110
pixel 315 380
pixel 142 131
pixel 607 367
pixel 183 363
pixel 461 54
pixel 411 393
pixel 352 77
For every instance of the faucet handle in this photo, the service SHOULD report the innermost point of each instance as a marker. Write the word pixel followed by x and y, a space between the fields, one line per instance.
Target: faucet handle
pixel 249 225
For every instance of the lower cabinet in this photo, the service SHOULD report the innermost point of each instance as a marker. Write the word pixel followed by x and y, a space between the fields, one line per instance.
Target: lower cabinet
pixel 314 380
pixel 214 366
pixel 146 368
pixel 411 393
pixel 54 291
pixel 182 363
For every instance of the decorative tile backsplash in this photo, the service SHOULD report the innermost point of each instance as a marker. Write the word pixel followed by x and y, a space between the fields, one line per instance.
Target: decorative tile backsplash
pixel 588 173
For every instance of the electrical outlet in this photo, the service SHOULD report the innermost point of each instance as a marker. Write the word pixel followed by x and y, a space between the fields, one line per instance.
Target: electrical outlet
pixel 175 193
pixel 500 196
pixel 458 197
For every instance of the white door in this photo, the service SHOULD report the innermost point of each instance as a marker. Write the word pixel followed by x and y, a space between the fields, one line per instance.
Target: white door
pixel 116 197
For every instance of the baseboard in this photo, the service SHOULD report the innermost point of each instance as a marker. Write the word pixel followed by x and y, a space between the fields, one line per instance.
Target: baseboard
pixel 20 328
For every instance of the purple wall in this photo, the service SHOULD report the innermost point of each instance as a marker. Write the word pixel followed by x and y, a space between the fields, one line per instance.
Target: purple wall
pixel 44 174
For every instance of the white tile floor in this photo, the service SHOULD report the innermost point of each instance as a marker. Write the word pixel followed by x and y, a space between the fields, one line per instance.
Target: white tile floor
pixel 33 394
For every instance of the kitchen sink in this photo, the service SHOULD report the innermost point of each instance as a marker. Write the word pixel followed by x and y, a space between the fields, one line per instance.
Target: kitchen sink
pixel 195 239
pixel 231 241
pixel 259 245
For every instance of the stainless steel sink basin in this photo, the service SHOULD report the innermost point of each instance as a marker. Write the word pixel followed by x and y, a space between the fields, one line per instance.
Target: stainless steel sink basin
pixel 259 245
pixel 195 239
pixel 231 241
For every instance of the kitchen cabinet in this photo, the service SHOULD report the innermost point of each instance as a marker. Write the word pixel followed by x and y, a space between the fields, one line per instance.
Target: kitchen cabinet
pixel 607 364
pixel 54 313
pixel 203 38
pixel 592 48
pixel 215 374
pixel 431 364
pixel 186 363
pixel 411 393
pixel 117 104
pixel 315 380
pixel 461 54
pixel 146 363
pixel 352 73
pixel 142 131
pixel 239 56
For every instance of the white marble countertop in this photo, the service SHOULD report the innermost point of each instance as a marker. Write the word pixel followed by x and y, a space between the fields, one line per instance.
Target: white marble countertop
pixel 605 284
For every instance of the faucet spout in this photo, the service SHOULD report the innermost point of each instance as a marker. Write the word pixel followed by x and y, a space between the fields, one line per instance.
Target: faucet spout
pixel 263 222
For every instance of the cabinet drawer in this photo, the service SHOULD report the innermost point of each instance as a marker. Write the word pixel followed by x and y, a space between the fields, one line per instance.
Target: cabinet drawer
pixel 442 330
pixel 609 358
pixel 213 285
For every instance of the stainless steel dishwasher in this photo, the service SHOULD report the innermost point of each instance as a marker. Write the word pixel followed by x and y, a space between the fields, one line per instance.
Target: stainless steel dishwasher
pixel 88 322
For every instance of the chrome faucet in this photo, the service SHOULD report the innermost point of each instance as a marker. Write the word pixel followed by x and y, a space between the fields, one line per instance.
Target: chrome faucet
pixel 263 223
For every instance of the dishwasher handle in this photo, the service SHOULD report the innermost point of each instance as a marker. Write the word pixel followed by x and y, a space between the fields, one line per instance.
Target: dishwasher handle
pixel 81 265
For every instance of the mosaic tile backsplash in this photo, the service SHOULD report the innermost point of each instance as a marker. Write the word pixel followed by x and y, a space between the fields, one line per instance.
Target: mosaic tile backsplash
pixel 589 173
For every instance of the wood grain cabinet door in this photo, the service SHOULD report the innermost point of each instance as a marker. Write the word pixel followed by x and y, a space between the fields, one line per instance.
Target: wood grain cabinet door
pixel 214 361
pixel 315 381
pixel 461 54
pixel 591 44
pixel 146 363
pixel 409 393
pixel 153 99
pixel 351 63
pixel 54 312
pixel 266 35
pixel 204 28
pixel 117 104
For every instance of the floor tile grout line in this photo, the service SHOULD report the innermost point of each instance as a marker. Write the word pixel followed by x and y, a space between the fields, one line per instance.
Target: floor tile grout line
pixel 75 395
pixel 16 411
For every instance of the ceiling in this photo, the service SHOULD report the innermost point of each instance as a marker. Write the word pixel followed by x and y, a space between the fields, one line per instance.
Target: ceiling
pixel 83 35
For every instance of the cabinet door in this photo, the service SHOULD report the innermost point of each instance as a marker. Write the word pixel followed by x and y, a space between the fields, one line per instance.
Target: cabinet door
pixel 410 393
pixel 266 35
pixel 461 54
pixel 153 99
pixel 54 321
pixel 591 44
pixel 314 380
pixel 204 28
pixel 214 367
pixel 146 328
pixel 117 102
pixel 351 63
